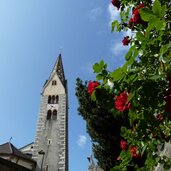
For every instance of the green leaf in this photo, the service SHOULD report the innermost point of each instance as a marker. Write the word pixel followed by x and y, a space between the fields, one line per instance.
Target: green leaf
pixel 93 96
pixel 156 23
pixel 98 67
pixel 117 74
pixel 116 168
pixel 129 54
pixel 159 24
pixel 114 24
pixel 101 63
pixel 132 78
pixel 125 14
pixel 131 95
pixel 123 130
pixel 123 154
pixel 164 48
pixel 157 10
pixel 163 10
pixel 146 14
pixel 125 157
pixel 149 28
pixel 99 77
pixel 143 149
pixel 132 53
pixel 140 36
pixel 129 62
pixel 154 77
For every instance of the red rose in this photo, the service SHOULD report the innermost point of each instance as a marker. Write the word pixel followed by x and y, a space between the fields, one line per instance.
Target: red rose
pixel 116 3
pixel 92 86
pixel 134 152
pixel 123 145
pixel 140 6
pixel 121 103
pixel 126 41
pixel 135 11
pixel 130 23
pixel 136 18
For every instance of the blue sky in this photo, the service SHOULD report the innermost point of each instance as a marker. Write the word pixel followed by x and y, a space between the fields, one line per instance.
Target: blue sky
pixel 31 34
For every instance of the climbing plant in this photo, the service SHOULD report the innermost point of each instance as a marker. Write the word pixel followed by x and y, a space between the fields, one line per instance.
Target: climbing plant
pixel 138 94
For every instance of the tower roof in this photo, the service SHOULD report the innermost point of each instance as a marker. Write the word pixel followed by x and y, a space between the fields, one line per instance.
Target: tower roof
pixel 58 68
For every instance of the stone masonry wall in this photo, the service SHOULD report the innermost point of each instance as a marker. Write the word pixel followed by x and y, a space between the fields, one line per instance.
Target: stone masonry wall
pixel 51 136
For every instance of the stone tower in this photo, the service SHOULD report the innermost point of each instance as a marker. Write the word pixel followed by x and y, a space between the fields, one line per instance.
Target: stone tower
pixel 51 142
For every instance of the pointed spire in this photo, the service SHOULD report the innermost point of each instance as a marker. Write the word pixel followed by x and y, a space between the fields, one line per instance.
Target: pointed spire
pixel 58 68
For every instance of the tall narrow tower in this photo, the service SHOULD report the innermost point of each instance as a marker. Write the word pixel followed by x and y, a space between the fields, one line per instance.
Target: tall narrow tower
pixel 51 142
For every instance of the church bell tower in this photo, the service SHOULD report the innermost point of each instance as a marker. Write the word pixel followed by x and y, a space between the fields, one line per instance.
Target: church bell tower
pixel 51 142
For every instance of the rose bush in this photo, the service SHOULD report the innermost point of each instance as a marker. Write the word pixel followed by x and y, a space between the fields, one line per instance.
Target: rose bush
pixel 141 90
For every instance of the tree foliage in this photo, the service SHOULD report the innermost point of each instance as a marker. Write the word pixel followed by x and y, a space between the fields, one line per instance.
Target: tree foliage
pixel 100 124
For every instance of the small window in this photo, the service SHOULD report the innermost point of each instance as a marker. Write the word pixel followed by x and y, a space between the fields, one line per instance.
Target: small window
pixel 49 114
pixel 49 99
pixel 54 82
pixel 57 98
pixel 49 141
pixel 54 116
pixel 53 100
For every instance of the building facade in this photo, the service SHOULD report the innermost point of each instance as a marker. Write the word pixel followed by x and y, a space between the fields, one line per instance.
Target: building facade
pixel 13 159
pixel 51 142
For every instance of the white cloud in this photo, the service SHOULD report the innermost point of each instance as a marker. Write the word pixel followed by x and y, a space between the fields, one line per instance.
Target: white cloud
pixel 114 13
pixel 82 139
pixel 94 13
pixel 117 49
pixel 118 53
pixel 128 33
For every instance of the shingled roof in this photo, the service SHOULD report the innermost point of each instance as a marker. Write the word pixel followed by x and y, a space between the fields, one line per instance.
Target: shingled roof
pixel 10 149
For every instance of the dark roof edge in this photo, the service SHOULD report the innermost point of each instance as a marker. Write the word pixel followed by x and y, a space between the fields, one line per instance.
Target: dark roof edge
pixel 26 145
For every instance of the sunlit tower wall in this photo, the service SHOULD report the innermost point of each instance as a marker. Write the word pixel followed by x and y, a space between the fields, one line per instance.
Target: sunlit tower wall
pixel 51 141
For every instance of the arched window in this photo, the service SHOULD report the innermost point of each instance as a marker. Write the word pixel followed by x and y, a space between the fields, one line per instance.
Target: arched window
pixel 54 116
pixel 49 114
pixel 49 99
pixel 57 98
pixel 54 82
pixel 53 99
